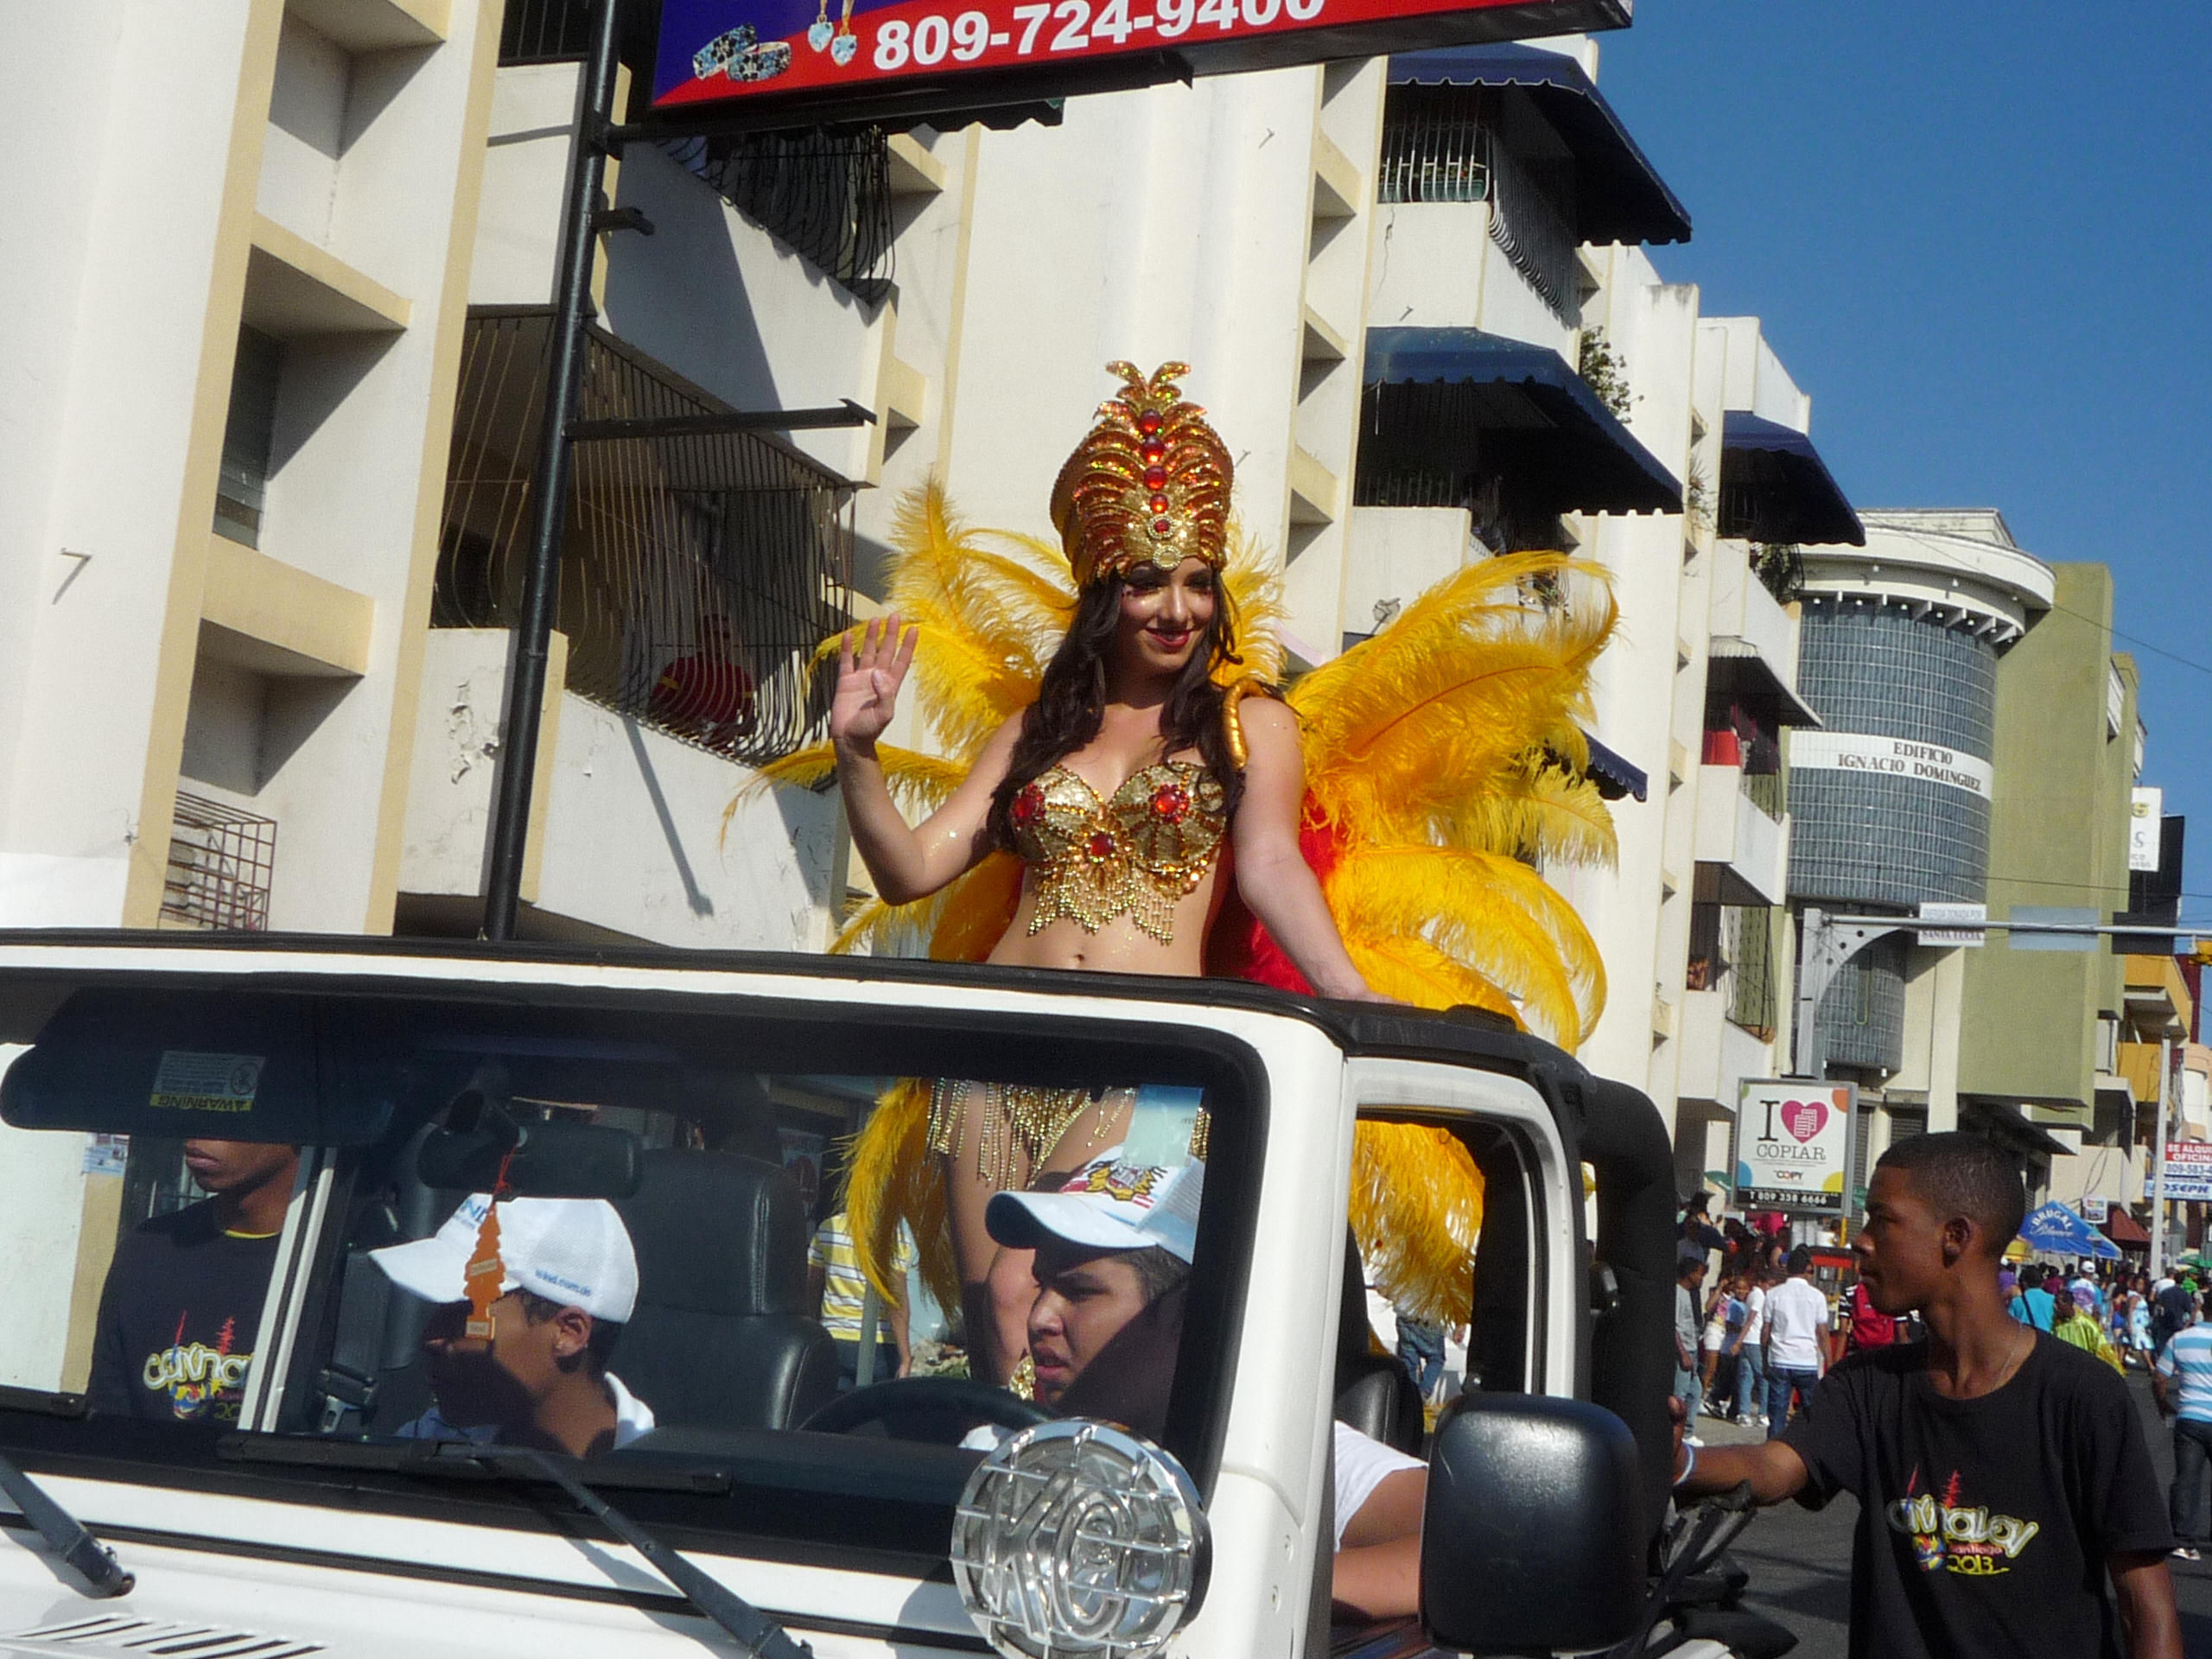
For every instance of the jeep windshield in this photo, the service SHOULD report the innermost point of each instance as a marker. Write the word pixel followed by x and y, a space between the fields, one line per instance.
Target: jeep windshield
pixel 248 1217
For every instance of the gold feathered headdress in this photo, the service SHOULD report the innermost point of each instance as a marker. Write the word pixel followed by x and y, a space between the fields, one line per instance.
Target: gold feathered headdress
pixel 1148 485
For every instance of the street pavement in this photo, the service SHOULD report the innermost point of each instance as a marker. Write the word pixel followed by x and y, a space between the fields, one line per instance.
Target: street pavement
pixel 1800 1560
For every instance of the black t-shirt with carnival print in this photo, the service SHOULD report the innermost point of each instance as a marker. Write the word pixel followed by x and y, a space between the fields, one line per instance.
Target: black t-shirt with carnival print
pixel 179 1317
pixel 1984 1525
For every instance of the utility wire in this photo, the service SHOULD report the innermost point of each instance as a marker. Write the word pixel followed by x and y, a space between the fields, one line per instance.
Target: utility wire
pixel 1920 538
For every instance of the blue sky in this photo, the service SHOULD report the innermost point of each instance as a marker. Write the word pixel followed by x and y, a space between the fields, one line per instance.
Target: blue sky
pixel 1981 235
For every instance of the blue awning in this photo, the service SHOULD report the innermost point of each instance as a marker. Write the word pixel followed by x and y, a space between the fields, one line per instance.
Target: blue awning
pixel 1614 776
pixel 1775 487
pixel 1619 196
pixel 1516 411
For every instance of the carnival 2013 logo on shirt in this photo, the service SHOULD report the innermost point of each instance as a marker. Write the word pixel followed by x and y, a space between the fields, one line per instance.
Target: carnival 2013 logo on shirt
pixel 1951 1536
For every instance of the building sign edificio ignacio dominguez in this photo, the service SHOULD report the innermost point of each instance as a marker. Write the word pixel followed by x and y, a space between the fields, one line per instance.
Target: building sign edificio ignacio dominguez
pixel 1898 757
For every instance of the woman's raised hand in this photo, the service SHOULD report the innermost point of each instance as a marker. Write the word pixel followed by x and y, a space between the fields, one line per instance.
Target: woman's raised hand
pixel 872 664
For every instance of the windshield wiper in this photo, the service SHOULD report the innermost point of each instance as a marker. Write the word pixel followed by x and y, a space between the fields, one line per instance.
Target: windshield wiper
pixel 753 1629
pixel 64 1534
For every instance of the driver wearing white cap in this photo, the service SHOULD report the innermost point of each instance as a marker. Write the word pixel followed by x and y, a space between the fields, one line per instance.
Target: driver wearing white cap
pixel 569 1281
pixel 1114 1245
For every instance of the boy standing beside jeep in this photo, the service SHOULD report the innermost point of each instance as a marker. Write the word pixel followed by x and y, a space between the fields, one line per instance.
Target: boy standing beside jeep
pixel 2001 1474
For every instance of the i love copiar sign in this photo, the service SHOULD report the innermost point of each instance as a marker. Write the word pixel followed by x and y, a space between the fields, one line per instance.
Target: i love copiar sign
pixel 1793 1145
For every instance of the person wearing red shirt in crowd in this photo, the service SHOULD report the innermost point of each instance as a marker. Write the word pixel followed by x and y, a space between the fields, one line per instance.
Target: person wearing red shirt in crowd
pixel 708 695
pixel 1863 1325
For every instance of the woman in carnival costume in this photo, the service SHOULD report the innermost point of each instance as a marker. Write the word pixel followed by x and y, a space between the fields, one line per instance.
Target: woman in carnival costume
pixel 1107 765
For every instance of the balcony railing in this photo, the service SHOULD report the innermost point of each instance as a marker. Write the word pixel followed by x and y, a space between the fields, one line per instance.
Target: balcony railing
pixel 824 194
pixel 1732 951
pixel 698 572
pixel 1488 143
pixel 222 861
pixel 1769 792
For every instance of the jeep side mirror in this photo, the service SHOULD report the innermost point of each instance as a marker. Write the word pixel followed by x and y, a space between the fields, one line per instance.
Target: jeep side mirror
pixel 1529 1541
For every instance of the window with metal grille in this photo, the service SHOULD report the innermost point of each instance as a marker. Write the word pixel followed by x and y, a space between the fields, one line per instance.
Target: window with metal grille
pixel 249 436
pixel 697 574
pixel 825 194
pixel 1434 146
pixel 1489 143
pixel 221 863
pixel 1747 940
pixel 539 31
pixel 1436 446
pixel 1707 966
pixel 1732 951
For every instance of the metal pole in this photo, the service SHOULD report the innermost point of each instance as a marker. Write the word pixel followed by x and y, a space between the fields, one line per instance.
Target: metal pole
pixel 1812 985
pixel 549 484
pixel 2159 1164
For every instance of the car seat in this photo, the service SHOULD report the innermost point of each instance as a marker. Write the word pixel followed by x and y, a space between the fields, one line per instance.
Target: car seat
pixel 722 1336
pixel 1375 1395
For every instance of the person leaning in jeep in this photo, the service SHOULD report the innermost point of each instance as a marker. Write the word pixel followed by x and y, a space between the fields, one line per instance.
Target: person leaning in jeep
pixel 1112 1257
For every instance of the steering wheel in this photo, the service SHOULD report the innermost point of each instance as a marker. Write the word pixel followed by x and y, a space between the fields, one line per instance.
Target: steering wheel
pixel 939 1409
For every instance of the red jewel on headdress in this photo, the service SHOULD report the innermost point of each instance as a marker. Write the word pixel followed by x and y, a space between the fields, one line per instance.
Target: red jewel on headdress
pixel 1159 503
pixel 1152 449
pixel 1028 805
pixel 1150 422
pixel 1171 802
pixel 1162 526
pixel 1156 478
pixel 1100 847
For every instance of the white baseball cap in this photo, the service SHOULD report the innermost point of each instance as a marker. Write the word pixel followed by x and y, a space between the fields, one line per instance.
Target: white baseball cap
pixel 573 1252
pixel 1106 1205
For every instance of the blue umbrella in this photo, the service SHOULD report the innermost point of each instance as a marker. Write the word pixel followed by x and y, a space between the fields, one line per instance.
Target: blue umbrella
pixel 2054 1227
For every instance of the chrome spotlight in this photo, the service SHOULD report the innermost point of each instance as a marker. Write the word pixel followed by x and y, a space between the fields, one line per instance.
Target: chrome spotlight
pixel 1079 1540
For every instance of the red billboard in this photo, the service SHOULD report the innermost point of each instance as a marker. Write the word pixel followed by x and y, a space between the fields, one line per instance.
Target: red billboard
pixel 824 56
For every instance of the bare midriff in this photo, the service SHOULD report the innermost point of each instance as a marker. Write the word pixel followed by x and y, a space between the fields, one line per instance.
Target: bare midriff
pixel 1118 947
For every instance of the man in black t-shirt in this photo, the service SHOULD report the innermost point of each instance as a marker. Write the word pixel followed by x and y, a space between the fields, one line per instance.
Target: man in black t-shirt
pixel 2001 1473
pixel 181 1309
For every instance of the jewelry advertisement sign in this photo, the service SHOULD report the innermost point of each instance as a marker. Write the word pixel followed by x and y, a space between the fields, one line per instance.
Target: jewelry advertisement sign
pixel 1793 1142
pixel 714 51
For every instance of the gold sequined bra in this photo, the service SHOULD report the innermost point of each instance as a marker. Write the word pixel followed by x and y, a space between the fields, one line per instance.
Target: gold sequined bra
pixel 1136 853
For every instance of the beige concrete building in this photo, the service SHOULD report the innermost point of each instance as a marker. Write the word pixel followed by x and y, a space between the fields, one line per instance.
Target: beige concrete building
pixel 226 380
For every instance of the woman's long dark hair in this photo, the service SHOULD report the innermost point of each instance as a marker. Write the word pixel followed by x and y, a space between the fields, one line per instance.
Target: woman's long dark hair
pixel 1070 704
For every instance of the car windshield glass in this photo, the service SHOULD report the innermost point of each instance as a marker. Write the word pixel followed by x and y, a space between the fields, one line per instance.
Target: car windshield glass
pixel 611 1228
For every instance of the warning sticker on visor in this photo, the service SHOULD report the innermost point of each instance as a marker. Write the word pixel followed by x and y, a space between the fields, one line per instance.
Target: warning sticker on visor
pixel 190 1082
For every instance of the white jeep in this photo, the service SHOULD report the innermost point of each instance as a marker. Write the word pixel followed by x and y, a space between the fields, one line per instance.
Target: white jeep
pixel 274 1508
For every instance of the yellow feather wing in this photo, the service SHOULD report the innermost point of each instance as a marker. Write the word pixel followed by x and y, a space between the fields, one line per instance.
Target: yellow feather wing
pixel 891 1176
pixel 1255 593
pixel 1538 811
pixel 987 618
pixel 1492 914
pixel 1408 735
pixel 1417 1211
